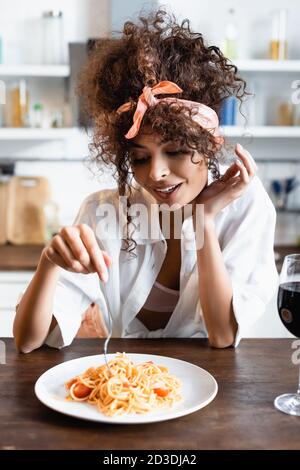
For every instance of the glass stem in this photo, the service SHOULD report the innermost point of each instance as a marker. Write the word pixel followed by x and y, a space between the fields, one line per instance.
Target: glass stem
pixel 298 391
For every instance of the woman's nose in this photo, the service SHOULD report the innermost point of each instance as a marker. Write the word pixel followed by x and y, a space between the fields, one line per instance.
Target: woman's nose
pixel 159 169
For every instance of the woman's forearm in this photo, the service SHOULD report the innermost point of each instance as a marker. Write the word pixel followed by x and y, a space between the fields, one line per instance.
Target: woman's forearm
pixel 215 290
pixel 34 313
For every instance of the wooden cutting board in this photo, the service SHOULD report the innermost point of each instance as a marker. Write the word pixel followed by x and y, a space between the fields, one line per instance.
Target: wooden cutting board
pixel 26 219
pixel 4 191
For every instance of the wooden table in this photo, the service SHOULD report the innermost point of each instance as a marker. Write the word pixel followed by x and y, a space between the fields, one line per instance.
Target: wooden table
pixel 19 257
pixel 26 257
pixel 242 415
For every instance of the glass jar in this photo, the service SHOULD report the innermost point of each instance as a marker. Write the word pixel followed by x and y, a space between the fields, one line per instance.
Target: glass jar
pixel 53 38
pixel 278 49
pixel 19 104
pixel 230 42
pixel 285 114
pixel 52 223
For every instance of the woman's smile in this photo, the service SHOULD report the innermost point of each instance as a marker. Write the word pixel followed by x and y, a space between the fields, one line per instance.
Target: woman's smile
pixel 170 173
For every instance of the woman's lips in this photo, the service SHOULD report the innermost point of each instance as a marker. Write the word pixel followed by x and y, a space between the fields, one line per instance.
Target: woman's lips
pixel 167 194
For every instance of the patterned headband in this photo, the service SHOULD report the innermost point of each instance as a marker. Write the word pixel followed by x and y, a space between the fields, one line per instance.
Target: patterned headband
pixel 205 116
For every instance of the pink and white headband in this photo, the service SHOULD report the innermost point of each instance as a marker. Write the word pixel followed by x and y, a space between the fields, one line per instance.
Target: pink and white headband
pixel 205 116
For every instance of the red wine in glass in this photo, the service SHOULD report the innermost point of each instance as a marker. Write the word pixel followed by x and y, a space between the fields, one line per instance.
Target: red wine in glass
pixel 288 303
pixel 289 306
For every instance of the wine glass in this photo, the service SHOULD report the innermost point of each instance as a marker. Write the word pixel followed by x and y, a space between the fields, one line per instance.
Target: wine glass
pixel 288 303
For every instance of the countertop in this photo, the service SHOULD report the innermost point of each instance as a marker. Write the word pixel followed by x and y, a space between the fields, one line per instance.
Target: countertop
pixel 19 257
pixel 241 416
pixel 25 258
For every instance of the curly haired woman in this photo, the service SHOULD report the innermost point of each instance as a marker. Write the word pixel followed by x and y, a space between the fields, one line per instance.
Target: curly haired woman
pixel 154 96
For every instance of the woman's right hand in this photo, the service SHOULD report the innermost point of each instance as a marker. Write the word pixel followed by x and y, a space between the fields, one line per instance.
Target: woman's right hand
pixel 75 249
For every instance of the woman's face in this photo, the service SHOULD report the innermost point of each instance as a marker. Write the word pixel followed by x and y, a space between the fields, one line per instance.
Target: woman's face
pixel 166 170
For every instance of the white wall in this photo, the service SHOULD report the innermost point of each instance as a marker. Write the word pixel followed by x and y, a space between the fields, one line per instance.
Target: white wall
pixel 20 24
pixel 253 19
pixel 122 11
pixel 20 29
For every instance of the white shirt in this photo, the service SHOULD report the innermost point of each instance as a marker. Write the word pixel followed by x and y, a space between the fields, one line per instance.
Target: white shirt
pixel 245 230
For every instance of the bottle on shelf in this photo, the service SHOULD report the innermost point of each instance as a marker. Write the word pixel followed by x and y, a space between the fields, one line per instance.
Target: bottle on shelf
pixel 229 46
pixel 228 112
pixel 20 104
pixel 53 38
pixel 52 223
pixel 296 103
pixel 278 49
pixel 296 116
pixel 285 114
pixel 37 115
pixel 57 119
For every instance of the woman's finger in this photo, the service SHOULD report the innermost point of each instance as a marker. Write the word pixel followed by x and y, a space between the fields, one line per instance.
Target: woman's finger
pixel 244 174
pixel 230 172
pixel 97 260
pixel 250 158
pixel 246 159
pixel 77 248
pixel 57 259
pixel 107 258
pixel 62 249
pixel 54 257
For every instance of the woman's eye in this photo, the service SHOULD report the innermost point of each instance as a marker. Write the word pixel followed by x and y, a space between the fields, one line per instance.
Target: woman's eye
pixel 139 161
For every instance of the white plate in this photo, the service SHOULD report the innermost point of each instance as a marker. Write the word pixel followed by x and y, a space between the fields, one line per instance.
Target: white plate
pixel 198 389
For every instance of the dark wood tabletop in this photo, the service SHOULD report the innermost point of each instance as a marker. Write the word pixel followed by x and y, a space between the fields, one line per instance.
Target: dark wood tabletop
pixel 26 257
pixel 242 415
pixel 19 257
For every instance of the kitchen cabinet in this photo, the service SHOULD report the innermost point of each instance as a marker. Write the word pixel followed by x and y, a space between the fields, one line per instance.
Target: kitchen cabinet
pixel 12 284
pixel 17 266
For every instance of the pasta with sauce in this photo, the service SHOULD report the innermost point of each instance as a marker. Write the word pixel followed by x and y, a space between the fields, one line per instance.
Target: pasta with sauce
pixel 125 387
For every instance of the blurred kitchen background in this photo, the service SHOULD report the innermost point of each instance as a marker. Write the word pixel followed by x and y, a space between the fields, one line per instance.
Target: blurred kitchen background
pixel 44 174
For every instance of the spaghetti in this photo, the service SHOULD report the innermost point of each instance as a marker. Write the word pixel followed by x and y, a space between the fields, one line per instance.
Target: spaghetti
pixel 126 387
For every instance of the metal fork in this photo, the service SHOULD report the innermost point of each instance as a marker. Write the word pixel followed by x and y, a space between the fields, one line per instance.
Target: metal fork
pixel 110 327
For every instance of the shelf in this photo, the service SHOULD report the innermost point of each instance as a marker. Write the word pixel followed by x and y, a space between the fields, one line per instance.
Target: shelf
pixel 288 211
pixel 34 71
pixel 262 131
pixel 247 65
pixel 268 65
pixel 11 133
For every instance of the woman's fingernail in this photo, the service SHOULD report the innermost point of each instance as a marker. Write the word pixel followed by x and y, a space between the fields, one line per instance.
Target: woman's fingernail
pixel 104 276
pixel 239 146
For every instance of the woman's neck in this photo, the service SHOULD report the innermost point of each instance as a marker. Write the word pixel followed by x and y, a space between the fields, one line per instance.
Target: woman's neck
pixel 171 223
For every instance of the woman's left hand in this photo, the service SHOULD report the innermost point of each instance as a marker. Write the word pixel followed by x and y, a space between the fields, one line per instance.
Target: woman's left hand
pixel 230 186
